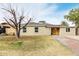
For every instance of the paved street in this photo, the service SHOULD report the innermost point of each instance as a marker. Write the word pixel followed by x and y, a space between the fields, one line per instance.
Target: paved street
pixel 70 42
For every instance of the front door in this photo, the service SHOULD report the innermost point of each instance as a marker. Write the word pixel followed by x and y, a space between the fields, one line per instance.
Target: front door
pixel 54 31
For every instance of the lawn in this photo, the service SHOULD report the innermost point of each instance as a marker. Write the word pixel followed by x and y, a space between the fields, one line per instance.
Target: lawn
pixel 32 45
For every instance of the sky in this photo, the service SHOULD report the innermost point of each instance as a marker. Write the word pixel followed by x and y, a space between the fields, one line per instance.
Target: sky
pixel 52 13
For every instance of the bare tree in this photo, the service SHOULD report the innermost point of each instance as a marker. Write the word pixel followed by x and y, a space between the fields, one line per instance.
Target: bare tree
pixel 14 21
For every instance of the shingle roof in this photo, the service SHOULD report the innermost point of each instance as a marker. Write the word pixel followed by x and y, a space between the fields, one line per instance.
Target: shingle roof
pixel 33 24
pixel 51 25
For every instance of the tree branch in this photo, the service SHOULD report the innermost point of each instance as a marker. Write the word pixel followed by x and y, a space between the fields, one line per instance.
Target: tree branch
pixel 13 22
pixel 12 11
pixel 27 23
pixel 6 10
pixel 20 20
pixel 9 23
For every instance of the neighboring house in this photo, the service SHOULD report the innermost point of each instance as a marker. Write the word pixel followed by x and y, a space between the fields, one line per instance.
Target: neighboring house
pixel 41 28
pixel 7 29
pixel 3 28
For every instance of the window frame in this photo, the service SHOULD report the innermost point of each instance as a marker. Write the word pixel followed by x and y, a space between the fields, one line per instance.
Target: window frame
pixel 36 29
pixel 67 29
pixel 24 29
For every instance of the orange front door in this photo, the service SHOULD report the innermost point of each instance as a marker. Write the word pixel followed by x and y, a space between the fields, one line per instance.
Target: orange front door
pixel 54 31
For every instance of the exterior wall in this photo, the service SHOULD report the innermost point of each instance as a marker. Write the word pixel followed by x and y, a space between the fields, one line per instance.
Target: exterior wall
pixel 41 31
pixel 10 31
pixel 63 31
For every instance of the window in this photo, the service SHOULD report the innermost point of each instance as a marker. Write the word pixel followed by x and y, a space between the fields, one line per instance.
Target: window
pixel 67 29
pixel 24 29
pixel 36 29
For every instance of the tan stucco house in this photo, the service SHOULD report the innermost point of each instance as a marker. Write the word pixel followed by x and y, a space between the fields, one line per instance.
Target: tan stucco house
pixel 41 28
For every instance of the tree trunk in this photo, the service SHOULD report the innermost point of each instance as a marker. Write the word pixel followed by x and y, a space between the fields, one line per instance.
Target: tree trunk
pixel 17 33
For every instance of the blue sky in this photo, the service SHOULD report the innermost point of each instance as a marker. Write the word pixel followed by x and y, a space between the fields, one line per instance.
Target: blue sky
pixel 50 12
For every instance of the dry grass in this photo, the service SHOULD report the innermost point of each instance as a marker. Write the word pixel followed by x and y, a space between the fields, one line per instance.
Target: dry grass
pixel 32 45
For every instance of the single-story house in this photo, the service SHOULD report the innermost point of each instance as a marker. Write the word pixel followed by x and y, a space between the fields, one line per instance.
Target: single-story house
pixel 41 28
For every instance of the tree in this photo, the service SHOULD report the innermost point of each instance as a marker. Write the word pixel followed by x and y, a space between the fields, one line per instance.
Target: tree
pixel 16 21
pixel 64 23
pixel 73 16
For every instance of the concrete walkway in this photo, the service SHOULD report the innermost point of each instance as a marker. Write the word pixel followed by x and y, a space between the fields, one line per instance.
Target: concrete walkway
pixel 70 42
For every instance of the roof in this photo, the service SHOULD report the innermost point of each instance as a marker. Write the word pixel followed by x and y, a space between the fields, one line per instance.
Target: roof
pixel 3 23
pixel 33 24
pixel 51 25
pixel 36 24
pixel 40 24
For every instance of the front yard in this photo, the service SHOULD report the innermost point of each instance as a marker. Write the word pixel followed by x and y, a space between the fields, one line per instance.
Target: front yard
pixel 32 45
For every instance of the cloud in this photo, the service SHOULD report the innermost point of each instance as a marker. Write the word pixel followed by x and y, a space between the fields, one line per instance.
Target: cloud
pixel 47 12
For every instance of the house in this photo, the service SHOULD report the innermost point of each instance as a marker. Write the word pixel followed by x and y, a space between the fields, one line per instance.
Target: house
pixel 8 29
pixel 41 28
pixel 3 28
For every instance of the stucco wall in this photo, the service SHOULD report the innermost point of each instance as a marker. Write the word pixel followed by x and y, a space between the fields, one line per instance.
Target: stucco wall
pixel 63 31
pixel 10 31
pixel 41 31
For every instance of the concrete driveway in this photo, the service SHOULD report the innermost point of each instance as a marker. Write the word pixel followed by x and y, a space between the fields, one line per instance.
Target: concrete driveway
pixel 71 42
